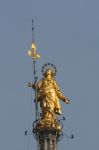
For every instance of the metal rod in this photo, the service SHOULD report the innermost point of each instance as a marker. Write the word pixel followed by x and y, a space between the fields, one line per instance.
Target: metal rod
pixel 35 81
pixel 32 30
pixel 35 78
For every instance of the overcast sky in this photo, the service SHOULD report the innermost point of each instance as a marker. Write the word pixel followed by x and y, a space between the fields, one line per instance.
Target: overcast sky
pixel 66 34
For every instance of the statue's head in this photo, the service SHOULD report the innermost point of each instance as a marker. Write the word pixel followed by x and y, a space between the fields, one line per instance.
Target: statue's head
pixel 48 73
pixel 49 70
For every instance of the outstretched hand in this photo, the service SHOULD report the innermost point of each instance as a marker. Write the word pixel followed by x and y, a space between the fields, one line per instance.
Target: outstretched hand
pixel 29 84
pixel 67 101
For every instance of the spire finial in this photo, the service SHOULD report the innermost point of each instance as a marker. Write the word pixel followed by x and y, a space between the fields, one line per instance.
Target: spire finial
pixel 32 53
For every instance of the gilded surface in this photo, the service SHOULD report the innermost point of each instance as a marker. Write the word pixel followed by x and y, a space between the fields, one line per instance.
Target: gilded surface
pixel 32 53
pixel 48 95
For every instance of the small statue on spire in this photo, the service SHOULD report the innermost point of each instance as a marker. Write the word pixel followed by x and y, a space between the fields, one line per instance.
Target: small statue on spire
pixel 48 95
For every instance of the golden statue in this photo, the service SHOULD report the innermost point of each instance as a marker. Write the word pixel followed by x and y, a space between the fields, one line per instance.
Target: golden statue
pixel 49 94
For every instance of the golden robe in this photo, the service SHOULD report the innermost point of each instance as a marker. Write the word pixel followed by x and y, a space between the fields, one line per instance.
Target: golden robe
pixel 48 94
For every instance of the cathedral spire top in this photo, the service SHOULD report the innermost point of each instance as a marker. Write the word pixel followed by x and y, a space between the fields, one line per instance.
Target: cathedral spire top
pixel 47 127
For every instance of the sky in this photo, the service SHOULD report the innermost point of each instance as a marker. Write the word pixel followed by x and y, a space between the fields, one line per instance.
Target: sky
pixel 67 35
